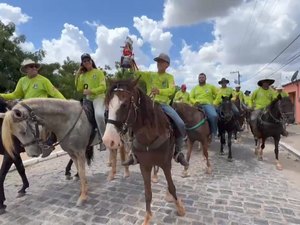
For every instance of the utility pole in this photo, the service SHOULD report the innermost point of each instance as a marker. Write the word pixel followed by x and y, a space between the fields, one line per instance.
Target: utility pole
pixel 239 76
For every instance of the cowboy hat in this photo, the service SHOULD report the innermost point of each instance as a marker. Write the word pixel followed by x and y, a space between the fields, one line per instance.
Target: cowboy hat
pixel 162 56
pixel 223 80
pixel 270 81
pixel 247 92
pixel 238 86
pixel 27 62
pixel 279 87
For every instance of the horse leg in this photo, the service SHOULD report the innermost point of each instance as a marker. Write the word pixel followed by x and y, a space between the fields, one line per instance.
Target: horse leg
pixel 262 146
pixel 83 181
pixel 6 164
pixel 276 142
pixel 185 172
pixel 110 159
pixel 172 190
pixel 123 156
pixel 154 177
pixel 68 169
pixel 21 170
pixel 205 153
pixel 113 157
pixel 146 173
pixel 257 145
pixel 222 143
pixel 229 146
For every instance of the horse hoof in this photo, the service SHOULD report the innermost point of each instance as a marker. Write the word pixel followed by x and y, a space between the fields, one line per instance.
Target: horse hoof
pixel 208 170
pixel 278 166
pixel 260 158
pixel 185 173
pixel 154 179
pixel 126 174
pixel 110 177
pixel 68 177
pixel 2 210
pixel 169 197
pixel 229 159
pixel 80 202
pixel 21 194
pixel 180 208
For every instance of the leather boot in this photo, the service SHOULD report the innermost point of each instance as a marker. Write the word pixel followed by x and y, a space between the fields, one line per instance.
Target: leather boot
pixel 178 155
pixel 132 160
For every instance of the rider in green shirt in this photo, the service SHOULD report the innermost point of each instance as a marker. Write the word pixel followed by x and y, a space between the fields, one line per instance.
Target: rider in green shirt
pixel 280 91
pixel 161 86
pixel 90 81
pixel 247 98
pixel 182 95
pixel 34 85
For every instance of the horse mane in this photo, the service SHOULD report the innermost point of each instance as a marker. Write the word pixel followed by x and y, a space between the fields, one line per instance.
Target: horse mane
pixel 7 137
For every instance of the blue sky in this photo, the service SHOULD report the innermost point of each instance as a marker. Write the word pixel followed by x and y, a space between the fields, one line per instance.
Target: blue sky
pixel 211 36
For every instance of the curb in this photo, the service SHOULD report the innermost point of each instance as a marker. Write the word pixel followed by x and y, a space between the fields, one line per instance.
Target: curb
pixel 32 161
pixel 290 148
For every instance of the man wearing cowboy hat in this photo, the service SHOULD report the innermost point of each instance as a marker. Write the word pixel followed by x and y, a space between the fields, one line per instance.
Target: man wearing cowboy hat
pixel 225 91
pixel 161 86
pixel 261 98
pixel 280 91
pixel 34 85
pixel 237 93
pixel 182 95
pixel 247 98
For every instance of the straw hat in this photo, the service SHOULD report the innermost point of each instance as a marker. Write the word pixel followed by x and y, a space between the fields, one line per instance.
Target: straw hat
pixel 270 81
pixel 27 62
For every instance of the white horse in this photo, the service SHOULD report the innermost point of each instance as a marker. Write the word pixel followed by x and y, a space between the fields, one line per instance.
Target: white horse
pixel 65 118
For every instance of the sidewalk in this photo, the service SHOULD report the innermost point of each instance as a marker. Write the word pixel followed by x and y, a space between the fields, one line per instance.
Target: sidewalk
pixel 292 141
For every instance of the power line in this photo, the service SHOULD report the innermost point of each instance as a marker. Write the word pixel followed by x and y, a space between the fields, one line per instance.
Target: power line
pixel 278 55
pixel 290 61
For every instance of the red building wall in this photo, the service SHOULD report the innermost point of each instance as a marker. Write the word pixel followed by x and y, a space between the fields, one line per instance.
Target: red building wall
pixel 293 90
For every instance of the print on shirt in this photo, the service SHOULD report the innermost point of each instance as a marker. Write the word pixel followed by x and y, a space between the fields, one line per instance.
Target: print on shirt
pixel 35 86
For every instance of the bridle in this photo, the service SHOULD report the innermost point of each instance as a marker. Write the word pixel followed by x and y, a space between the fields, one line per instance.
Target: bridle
pixel 123 126
pixel 33 118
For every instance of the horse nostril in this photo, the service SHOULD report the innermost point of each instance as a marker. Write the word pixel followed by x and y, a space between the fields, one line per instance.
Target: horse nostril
pixel 112 143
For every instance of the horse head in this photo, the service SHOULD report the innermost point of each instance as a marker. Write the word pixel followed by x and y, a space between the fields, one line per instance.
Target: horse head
pixel 287 110
pixel 19 122
pixel 225 110
pixel 122 101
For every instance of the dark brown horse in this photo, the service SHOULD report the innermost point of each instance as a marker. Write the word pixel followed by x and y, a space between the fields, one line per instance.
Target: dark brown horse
pixel 197 128
pixel 153 136
pixel 8 161
pixel 270 123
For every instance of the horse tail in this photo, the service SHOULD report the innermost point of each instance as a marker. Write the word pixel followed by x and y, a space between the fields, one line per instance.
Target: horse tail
pixel 89 154
pixel 7 137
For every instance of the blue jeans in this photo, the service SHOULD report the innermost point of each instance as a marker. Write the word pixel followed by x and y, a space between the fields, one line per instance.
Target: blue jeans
pixel 212 117
pixel 175 117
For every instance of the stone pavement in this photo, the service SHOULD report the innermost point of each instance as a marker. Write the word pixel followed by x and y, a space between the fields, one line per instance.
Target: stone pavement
pixel 292 141
pixel 246 191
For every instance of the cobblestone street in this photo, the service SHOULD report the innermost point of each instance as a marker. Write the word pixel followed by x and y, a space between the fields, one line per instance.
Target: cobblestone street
pixel 245 191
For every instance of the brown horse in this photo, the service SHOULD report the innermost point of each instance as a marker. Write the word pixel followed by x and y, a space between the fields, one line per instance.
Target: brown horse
pixel 270 123
pixel 153 136
pixel 197 128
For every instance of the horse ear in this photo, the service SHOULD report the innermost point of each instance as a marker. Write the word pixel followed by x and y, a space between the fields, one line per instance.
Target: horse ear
pixel 230 96
pixel 279 97
pixel 17 115
pixel 136 81
pixel 2 115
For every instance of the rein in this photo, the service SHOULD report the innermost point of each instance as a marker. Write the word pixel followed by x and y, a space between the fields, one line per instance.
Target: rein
pixel 123 126
pixel 37 140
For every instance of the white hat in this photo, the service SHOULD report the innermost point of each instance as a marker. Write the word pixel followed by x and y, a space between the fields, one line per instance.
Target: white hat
pixel 27 62
pixel 238 86
pixel 279 87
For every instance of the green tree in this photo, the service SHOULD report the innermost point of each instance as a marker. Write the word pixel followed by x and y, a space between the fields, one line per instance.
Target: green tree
pixel 11 56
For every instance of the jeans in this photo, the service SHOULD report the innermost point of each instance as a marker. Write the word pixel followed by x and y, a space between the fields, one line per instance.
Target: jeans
pixel 99 109
pixel 212 117
pixel 175 117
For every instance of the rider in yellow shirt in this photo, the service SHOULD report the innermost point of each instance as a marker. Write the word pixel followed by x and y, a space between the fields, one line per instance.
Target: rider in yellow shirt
pixel 280 91
pixel 182 95
pixel 247 98
pixel 90 81
pixel 34 85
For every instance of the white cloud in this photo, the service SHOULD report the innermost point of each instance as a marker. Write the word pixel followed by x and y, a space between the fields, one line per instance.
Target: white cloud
pixel 13 14
pixel 187 12
pixel 72 43
pixel 152 32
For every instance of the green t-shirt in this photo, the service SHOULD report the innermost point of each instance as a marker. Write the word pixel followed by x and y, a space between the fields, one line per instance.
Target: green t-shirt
pixel 203 95
pixel 95 80
pixel 262 98
pixel 36 87
pixel 226 92
pixel 182 97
